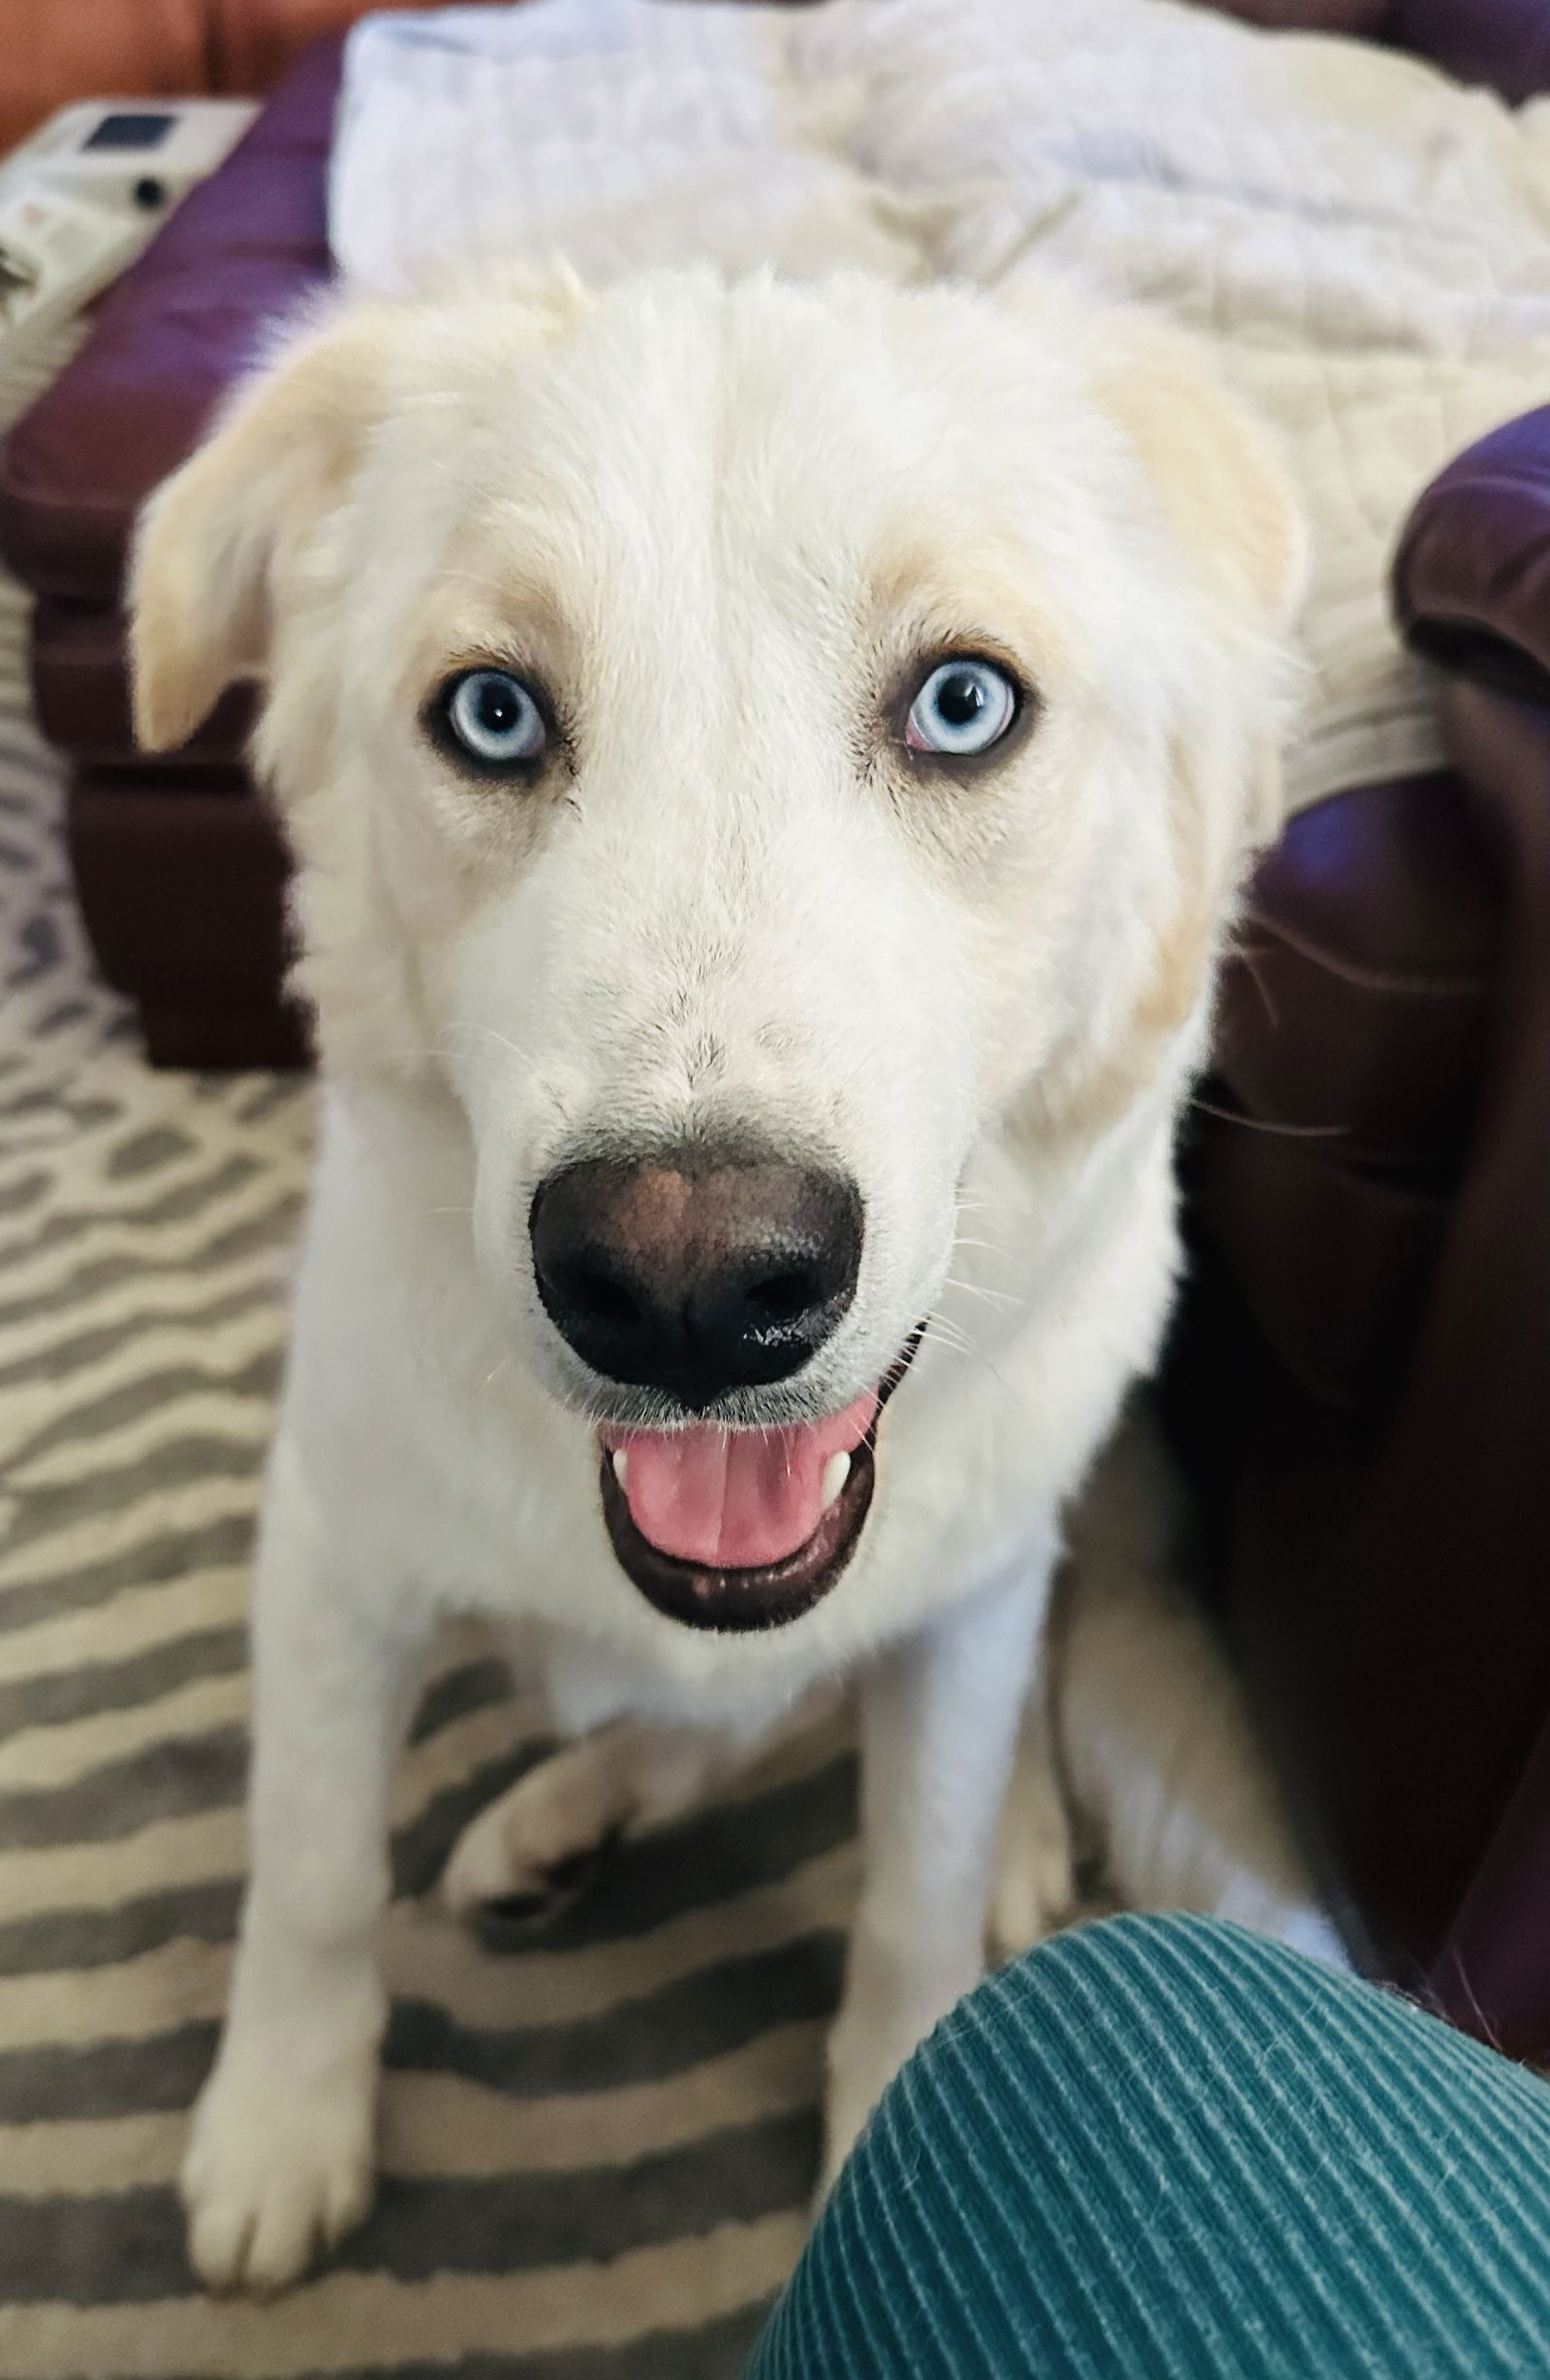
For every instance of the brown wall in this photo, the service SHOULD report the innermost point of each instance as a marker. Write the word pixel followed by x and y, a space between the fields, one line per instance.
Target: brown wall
pixel 53 52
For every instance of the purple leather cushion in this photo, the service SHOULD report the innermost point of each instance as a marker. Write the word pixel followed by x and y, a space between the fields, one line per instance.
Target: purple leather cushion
pixel 182 888
pixel 1332 1261
pixel 1367 18
pixel 1354 1006
pixel 1472 577
pixel 1502 43
pixel 1352 1036
pixel 171 337
pixel 81 688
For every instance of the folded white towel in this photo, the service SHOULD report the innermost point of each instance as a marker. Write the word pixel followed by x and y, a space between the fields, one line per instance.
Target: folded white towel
pixel 617 132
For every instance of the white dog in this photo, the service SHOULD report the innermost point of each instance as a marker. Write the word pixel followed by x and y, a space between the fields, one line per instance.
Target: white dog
pixel 767 768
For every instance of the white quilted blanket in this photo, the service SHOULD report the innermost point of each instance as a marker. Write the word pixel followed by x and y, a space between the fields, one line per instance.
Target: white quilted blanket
pixel 1366 245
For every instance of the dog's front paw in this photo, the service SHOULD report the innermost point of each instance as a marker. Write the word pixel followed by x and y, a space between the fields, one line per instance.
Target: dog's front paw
pixel 273 2173
pixel 1036 1872
pixel 533 1850
pixel 1036 1887
pixel 864 2055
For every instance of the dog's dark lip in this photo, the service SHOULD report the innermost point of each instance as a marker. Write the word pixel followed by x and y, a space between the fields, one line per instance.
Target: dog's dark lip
pixel 735 1602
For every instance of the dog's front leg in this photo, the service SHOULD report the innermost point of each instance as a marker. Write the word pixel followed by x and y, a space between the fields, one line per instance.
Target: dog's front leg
pixel 281 2153
pixel 938 1726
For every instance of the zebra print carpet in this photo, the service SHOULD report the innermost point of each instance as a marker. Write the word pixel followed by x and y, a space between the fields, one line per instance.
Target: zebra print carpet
pixel 597 2145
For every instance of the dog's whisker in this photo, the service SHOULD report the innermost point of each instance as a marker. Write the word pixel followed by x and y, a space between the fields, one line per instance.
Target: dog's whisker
pixel 472 1024
pixel 992 1297
pixel 1265 1123
pixel 937 1327
pixel 982 1248
pixel 948 1333
pixel 1247 957
pixel 433 1057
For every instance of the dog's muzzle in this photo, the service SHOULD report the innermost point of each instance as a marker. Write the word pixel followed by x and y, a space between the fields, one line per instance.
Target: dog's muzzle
pixel 699 1273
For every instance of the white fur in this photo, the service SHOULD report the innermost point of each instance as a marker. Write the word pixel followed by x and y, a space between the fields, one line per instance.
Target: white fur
pixel 726 523
pixel 1142 1738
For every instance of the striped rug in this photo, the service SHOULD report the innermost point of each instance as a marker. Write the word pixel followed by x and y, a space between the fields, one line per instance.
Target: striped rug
pixel 597 2144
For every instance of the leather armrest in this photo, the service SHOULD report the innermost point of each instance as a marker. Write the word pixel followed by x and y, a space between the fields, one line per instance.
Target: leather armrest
pixel 1472 577
pixel 1366 18
pixel 1502 43
pixel 243 249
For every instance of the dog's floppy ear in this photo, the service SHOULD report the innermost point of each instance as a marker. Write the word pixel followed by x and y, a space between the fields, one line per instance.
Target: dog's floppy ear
pixel 1227 497
pixel 1223 483
pixel 213 538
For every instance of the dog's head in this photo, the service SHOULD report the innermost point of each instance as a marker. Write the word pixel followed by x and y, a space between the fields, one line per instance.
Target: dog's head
pixel 752 743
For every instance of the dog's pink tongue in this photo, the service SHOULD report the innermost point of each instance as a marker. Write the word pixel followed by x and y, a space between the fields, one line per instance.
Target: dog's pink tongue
pixel 734 1499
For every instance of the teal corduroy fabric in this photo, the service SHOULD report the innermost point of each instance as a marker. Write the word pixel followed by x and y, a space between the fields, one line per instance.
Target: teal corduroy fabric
pixel 1162 2149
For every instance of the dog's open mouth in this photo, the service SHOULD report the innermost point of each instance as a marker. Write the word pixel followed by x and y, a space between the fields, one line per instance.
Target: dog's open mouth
pixel 739 1529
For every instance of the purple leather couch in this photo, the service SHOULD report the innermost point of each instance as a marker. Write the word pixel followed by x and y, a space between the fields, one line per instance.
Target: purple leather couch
pixel 1361 1372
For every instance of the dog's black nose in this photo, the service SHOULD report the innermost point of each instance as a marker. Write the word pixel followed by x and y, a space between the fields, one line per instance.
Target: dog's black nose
pixel 697 1270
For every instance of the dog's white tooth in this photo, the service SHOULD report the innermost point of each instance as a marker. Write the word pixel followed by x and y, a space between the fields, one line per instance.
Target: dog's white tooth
pixel 621 1464
pixel 836 1471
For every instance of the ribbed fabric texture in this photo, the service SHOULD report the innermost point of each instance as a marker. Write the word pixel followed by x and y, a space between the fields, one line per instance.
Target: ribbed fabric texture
pixel 1162 2149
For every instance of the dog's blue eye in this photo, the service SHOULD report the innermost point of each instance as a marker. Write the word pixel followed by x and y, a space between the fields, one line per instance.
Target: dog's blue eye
pixel 495 718
pixel 963 708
